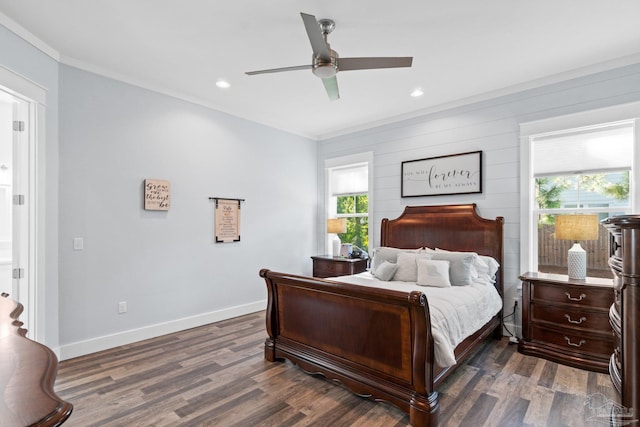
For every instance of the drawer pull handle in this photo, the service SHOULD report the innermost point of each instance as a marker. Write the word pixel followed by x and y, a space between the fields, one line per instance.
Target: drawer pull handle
pixel 573 344
pixel 575 322
pixel 582 296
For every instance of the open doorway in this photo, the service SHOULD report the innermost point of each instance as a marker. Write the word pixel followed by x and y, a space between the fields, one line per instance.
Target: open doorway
pixel 15 200
pixel 21 110
pixel 6 191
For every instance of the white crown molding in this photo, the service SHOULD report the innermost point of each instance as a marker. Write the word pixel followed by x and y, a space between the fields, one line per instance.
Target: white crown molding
pixel 85 66
pixel 548 80
pixel 556 78
pixel 521 87
pixel 27 36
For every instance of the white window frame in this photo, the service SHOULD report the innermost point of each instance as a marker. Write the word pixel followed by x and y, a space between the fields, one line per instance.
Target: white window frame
pixel 530 130
pixel 330 208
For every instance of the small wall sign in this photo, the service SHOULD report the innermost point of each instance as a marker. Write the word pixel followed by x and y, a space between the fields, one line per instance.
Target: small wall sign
pixel 436 176
pixel 157 195
pixel 227 220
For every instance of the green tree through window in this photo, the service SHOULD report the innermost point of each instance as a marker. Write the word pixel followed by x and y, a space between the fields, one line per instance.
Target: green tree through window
pixel 355 209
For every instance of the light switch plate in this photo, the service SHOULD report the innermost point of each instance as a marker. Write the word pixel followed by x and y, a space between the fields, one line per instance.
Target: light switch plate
pixel 78 243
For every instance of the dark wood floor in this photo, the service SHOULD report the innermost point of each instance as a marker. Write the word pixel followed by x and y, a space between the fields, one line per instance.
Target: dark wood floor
pixel 215 375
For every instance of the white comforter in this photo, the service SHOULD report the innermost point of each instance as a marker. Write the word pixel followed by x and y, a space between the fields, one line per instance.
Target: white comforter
pixel 456 312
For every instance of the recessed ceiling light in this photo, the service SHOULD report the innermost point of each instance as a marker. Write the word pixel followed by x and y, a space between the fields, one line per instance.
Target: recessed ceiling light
pixel 223 84
pixel 417 92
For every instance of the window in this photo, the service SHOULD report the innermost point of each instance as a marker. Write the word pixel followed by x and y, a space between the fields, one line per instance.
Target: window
pixel 348 196
pixel 586 169
pixel 355 208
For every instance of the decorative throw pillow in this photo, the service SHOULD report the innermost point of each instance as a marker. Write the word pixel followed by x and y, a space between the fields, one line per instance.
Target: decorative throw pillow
pixel 386 271
pixel 407 269
pixel 433 272
pixel 383 253
pixel 462 271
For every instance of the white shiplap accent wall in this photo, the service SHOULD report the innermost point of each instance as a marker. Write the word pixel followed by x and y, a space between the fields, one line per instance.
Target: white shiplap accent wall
pixel 491 126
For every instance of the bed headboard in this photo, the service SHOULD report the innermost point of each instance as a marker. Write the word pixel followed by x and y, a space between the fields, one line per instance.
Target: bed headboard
pixel 451 227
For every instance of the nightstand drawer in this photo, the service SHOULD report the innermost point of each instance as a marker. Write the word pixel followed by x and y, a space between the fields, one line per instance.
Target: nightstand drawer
pixel 575 295
pixel 334 268
pixel 574 341
pixel 572 317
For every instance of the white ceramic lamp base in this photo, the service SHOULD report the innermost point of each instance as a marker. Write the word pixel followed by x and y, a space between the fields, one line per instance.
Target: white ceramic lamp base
pixel 336 244
pixel 577 261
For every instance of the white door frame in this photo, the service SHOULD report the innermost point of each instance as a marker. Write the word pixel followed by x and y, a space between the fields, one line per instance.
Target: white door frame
pixel 33 98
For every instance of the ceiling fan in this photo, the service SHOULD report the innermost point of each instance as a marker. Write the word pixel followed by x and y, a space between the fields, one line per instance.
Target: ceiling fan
pixel 326 63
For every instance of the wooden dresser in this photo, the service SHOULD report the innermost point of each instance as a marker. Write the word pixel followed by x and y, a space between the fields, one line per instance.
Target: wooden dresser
pixel 567 321
pixel 330 266
pixel 624 260
pixel 27 373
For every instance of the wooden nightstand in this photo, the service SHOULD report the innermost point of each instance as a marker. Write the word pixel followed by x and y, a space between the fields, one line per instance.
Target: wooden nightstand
pixel 567 321
pixel 329 266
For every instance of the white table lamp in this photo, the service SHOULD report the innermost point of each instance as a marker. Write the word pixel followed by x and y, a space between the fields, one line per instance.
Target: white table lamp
pixel 577 227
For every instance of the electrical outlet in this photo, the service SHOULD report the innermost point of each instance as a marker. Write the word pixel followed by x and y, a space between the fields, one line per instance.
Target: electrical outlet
pixel 122 307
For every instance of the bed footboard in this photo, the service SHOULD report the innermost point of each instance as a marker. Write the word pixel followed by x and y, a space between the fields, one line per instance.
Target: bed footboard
pixel 376 342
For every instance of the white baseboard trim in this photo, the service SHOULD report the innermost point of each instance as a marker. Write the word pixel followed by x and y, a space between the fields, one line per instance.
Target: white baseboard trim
pixel 69 351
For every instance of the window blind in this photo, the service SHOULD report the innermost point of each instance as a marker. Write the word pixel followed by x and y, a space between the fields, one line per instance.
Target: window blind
pixel 353 179
pixel 587 151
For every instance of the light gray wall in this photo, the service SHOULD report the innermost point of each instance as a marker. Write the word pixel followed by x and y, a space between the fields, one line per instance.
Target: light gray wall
pixel 491 126
pixel 165 264
pixel 29 62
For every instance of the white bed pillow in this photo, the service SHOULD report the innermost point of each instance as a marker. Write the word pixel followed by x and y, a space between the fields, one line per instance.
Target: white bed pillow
pixel 383 253
pixel 462 271
pixel 386 271
pixel 487 274
pixel 490 267
pixel 407 269
pixel 433 272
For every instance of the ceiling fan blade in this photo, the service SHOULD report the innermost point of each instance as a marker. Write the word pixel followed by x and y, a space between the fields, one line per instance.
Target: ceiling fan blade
pixel 367 63
pixel 331 86
pixel 277 70
pixel 318 43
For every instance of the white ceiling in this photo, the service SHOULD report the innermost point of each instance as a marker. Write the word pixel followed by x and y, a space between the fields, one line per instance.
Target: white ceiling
pixel 463 50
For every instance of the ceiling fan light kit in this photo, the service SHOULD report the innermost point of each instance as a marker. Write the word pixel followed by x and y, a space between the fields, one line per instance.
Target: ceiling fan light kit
pixel 324 69
pixel 325 62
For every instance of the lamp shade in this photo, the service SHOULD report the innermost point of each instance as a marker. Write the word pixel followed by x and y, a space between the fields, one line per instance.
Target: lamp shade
pixel 336 225
pixel 577 227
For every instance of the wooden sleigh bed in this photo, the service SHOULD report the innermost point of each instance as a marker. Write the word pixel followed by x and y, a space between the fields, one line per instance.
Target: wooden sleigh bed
pixel 378 342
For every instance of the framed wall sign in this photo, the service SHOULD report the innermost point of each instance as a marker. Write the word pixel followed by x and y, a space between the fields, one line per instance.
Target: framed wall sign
pixel 157 195
pixel 227 220
pixel 437 176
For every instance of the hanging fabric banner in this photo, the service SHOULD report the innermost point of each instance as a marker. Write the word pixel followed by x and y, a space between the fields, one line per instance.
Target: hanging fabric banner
pixel 227 220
